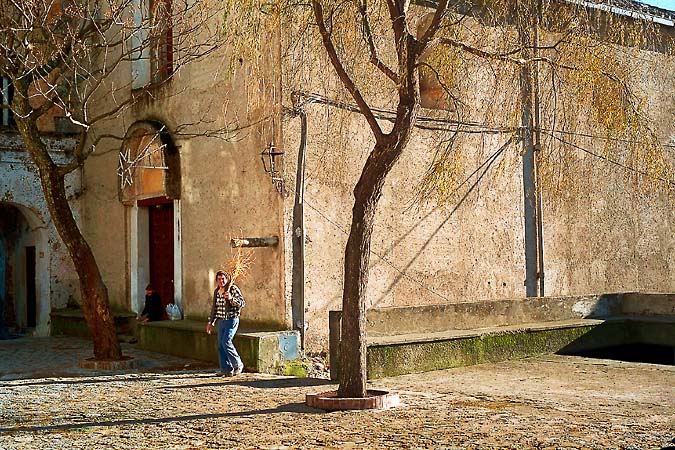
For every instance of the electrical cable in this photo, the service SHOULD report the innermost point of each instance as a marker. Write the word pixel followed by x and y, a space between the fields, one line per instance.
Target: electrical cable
pixel 486 164
pixel 611 161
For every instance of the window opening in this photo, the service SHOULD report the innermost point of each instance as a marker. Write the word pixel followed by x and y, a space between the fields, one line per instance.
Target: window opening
pixel 6 96
pixel 161 52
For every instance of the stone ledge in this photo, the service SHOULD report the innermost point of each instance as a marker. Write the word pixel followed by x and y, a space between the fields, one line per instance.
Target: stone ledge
pixel 71 322
pixel 414 339
pixel 408 338
pixel 412 357
pixel 260 351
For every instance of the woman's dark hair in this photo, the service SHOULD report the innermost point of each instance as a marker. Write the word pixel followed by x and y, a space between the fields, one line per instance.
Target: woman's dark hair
pixel 149 287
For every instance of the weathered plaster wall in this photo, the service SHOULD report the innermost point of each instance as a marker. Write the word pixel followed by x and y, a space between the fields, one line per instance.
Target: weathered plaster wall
pixel 56 280
pixel 612 235
pixel 419 256
pixel 606 236
pixel 224 192
pixel 104 223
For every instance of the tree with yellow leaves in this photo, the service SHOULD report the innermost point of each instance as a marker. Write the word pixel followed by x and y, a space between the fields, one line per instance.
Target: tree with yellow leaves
pixel 532 69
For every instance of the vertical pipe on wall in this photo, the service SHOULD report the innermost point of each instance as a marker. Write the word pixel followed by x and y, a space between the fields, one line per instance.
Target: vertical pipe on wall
pixel 526 130
pixel 133 259
pixel 537 150
pixel 298 289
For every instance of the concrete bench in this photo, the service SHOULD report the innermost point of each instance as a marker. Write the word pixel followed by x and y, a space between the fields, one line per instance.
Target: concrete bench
pixel 260 351
pixel 70 322
pixel 413 339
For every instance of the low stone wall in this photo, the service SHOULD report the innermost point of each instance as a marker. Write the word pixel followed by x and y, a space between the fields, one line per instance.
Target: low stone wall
pixel 70 322
pixel 265 351
pixel 647 304
pixel 414 339
pixel 496 313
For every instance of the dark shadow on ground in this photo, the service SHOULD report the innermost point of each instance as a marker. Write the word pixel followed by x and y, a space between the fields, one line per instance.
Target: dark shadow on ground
pixel 101 378
pixel 300 408
pixel 145 367
pixel 277 383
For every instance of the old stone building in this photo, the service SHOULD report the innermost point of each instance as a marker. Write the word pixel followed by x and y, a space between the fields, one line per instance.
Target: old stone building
pixel 163 206
pixel 602 232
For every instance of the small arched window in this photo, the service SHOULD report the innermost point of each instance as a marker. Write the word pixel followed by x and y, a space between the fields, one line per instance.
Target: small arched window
pixel 149 164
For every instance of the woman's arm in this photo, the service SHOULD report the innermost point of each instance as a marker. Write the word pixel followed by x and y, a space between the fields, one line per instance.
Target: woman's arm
pixel 236 297
pixel 212 316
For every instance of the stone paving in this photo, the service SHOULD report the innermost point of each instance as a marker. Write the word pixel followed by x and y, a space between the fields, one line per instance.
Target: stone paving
pixel 549 401
pixel 59 355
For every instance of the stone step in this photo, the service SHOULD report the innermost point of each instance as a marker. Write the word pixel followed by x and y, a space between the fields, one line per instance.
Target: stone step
pixel 260 351
pixel 399 354
pixel 70 322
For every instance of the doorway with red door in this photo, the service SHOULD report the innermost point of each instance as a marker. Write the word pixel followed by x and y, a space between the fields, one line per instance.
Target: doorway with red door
pixel 161 248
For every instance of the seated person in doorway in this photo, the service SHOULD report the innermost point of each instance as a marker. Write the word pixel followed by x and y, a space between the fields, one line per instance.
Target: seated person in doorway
pixel 153 306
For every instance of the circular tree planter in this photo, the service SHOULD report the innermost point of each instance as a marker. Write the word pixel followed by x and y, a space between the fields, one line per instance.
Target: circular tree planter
pixel 329 401
pixel 127 362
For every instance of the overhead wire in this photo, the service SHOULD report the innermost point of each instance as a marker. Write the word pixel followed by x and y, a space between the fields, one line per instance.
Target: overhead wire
pixel 402 274
pixel 609 160
pixel 444 124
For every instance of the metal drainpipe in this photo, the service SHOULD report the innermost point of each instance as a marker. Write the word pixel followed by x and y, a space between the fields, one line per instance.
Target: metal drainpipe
pixel 537 159
pixel 526 132
pixel 298 284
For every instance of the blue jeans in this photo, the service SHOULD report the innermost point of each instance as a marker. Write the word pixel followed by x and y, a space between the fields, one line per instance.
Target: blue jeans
pixel 227 354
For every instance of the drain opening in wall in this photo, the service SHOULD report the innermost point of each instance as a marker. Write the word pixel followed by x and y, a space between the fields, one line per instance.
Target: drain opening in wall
pixel 642 353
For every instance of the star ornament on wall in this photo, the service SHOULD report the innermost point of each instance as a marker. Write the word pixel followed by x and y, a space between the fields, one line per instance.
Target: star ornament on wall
pixel 124 170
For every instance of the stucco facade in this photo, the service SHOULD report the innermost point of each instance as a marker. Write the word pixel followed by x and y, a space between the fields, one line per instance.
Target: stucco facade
pixel 210 185
pixel 610 238
pixel 602 233
pixel 209 175
pixel 29 243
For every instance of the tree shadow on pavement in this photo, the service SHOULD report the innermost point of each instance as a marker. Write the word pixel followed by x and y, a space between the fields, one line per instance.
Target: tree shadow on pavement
pixel 299 408
pixel 283 383
pixel 111 377
pixel 277 383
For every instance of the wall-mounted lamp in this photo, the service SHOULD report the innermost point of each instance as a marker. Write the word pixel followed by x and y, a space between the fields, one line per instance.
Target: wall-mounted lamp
pixel 270 162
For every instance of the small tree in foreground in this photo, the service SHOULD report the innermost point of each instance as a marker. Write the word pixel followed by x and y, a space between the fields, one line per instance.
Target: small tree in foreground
pixel 379 50
pixel 73 59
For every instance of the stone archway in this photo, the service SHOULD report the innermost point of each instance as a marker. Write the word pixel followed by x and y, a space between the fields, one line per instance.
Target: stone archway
pixel 25 272
pixel 150 185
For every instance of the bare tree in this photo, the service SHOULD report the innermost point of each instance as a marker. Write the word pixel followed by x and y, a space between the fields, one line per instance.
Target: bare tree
pixel 78 59
pixel 528 68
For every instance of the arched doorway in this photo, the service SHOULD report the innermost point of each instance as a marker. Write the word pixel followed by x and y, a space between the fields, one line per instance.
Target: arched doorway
pixel 24 272
pixel 150 184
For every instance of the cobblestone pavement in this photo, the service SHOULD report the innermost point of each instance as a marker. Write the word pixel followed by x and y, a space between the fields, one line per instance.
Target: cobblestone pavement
pixel 30 357
pixel 544 402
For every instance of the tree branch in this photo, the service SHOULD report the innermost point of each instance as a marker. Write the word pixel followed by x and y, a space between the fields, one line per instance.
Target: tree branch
pixel 342 73
pixel 476 51
pixel 433 27
pixel 398 25
pixel 368 35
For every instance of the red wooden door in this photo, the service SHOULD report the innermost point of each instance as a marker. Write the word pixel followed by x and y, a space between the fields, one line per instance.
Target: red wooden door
pixel 161 251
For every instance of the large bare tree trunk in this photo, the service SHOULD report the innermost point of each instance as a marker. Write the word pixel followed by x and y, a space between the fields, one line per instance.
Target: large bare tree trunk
pixel 94 292
pixel 367 193
pixel 388 148
pixel 357 258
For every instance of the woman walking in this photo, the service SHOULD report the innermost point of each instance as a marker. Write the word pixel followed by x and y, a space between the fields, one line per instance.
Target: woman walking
pixel 225 310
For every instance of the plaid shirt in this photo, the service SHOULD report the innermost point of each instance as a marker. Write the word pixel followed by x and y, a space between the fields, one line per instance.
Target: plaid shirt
pixel 222 309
